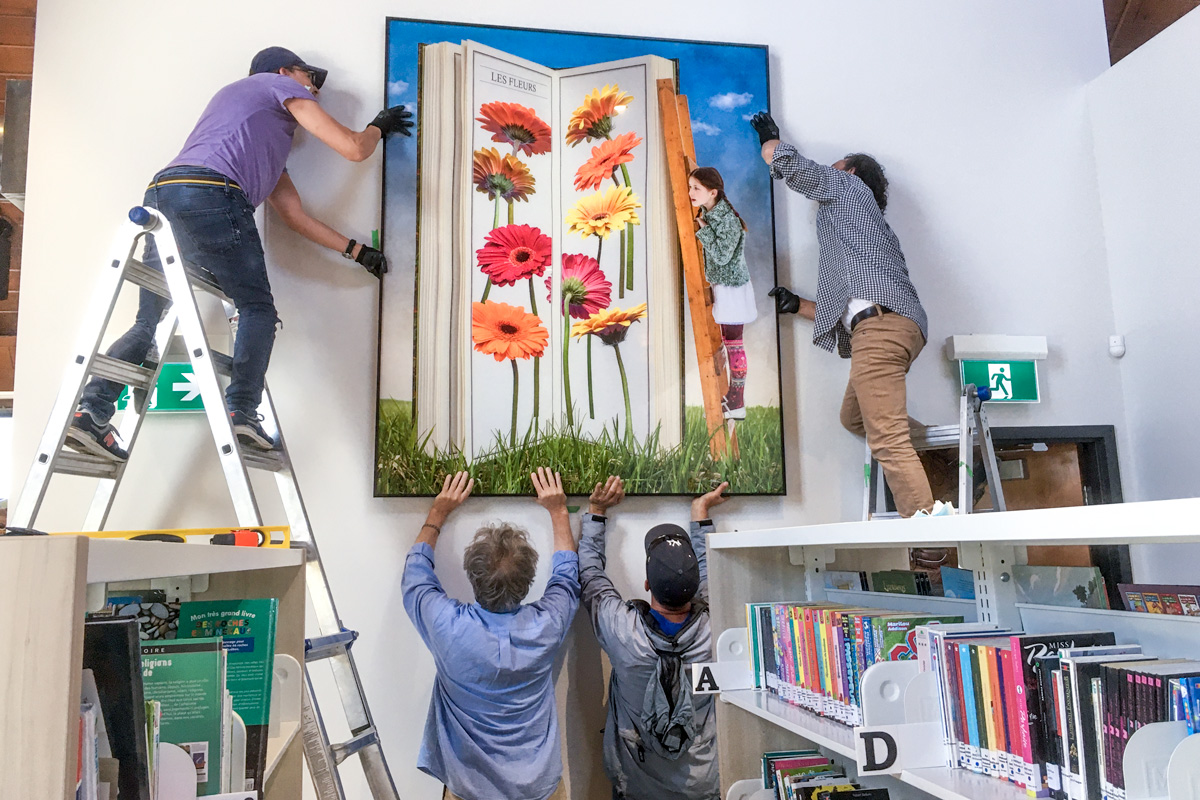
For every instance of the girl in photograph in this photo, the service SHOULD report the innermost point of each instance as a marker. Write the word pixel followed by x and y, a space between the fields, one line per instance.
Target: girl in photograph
pixel 723 235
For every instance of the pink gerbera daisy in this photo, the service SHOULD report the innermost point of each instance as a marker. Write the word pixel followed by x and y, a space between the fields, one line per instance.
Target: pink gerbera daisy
pixel 584 288
pixel 514 253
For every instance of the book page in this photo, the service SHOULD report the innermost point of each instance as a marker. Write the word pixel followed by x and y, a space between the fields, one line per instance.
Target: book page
pixel 505 314
pixel 616 216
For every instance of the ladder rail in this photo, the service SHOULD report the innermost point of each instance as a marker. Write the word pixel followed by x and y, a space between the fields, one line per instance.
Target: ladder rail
pixel 104 300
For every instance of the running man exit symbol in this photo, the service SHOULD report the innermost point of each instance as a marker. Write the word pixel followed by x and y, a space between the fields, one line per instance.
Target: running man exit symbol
pixel 1000 381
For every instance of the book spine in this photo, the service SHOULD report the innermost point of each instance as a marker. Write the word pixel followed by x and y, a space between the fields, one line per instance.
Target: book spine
pixel 969 695
pixel 1069 729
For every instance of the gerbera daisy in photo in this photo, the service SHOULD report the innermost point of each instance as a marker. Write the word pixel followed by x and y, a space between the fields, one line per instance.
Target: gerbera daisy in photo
pixel 602 213
pixel 606 157
pixel 585 290
pixel 501 177
pixel 517 125
pixel 593 119
pixel 612 326
pixel 513 253
pixel 505 331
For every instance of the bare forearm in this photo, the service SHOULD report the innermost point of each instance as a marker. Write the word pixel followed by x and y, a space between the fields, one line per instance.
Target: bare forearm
pixel 432 528
pixel 560 522
pixel 768 150
pixel 808 309
pixel 316 231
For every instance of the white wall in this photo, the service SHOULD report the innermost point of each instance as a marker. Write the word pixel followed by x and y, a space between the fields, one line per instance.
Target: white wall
pixel 976 109
pixel 1146 115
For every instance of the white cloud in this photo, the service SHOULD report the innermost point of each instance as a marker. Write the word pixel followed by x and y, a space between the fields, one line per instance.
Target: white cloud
pixel 397 88
pixel 706 129
pixel 730 100
pixel 747 117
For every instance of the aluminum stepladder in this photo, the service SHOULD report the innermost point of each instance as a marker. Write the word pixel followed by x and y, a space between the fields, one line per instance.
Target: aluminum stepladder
pixel 177 282
pixel 971 431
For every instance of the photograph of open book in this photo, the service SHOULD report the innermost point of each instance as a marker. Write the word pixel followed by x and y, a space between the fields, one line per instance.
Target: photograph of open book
pixel 535 311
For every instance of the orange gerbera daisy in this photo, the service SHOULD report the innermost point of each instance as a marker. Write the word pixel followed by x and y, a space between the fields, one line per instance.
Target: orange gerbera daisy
pixel 505 331
pixel 593 119
pixel 611 324
pixel 602 213
pixel 517 125
pixel 505 176
pixel 606 157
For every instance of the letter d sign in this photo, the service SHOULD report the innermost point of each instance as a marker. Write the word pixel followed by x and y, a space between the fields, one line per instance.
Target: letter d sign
pixel 890 749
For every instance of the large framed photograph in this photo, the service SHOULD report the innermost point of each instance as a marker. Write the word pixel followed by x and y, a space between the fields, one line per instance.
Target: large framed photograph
pixel 535 311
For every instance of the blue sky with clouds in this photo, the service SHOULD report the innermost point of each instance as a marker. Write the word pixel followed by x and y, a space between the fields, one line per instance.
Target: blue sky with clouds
pixel 724 84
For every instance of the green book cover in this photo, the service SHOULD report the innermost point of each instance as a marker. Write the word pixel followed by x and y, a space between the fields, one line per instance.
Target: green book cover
pixel 187 678
pixel 895 581
pixel 899 640
pixel 247 629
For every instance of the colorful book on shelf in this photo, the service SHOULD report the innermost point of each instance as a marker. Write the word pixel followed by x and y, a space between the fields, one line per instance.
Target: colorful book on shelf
pixel 187 677
pixel 112 651
pixel 247 631
pixel 1026 648
pixel 1074 587
pixel 1160 598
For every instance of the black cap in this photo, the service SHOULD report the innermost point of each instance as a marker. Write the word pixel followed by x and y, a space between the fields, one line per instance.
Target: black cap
pixel 671 566
pixel 274 59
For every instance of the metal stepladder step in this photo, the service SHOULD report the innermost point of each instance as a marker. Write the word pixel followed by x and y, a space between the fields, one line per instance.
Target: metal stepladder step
pixel 971 431
pixel 177 282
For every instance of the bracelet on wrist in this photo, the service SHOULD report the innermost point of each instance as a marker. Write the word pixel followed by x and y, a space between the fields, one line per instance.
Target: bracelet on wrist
pixel 436 529
pixel 349 251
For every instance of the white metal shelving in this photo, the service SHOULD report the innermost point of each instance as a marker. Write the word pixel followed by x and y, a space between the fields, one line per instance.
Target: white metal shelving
pixel 786 564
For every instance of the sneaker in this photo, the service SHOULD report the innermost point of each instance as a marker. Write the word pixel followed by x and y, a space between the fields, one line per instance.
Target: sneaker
pixel 86 435
pixel 733 413
pixel 249 432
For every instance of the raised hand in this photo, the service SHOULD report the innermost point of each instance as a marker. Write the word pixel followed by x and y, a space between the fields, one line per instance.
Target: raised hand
pixel 701 505
pixel 606 495
pixel 548 485
pixel 372 260
pixel 455 489
pixel 396 119
pixel 765 127
pixel 786 301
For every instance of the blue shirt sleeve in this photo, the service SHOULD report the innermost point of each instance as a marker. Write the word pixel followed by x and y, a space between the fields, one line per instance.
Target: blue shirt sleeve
pixel 425 601
pixel 561 598
pixel 699 535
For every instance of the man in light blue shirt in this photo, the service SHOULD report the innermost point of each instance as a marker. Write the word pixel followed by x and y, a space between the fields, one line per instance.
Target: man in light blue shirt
pixel 492 729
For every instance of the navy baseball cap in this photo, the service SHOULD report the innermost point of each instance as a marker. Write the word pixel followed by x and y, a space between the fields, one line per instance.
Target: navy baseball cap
pixel 273 59
pixel 671 565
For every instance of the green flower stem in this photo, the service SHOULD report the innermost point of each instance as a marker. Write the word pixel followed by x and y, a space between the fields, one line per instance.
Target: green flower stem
pixel 510 212
pixel 621 277
pixel 625 389
pixel 627 266
pixel 496 214
pixel 566 364
pixel 537 360
pixel 599 247
pixel 486 290
pixel 591 402
pixel 512 433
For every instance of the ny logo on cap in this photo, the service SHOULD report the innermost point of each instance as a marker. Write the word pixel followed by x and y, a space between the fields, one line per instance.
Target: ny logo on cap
pixel 674 543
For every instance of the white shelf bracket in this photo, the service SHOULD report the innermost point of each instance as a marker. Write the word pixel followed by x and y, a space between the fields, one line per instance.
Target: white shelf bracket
pixel 814 560
pixel 995 590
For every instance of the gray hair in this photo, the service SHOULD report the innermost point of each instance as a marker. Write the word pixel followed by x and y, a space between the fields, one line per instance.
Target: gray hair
pixel 500 563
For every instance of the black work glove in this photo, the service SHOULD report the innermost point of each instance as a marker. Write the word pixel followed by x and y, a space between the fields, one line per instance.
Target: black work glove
pixel 372 260
pixel 786 301
pixel 765 127
pixel 393 120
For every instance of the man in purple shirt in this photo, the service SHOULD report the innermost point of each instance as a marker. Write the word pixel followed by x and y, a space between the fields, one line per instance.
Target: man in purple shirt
pixel 233 160
pixel 492 729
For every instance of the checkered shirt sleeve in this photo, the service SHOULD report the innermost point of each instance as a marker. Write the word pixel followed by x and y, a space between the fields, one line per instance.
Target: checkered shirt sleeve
pixel 860 254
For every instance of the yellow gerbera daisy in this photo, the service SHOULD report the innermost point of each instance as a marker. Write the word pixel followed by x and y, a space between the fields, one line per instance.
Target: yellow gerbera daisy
pixel 610 324
pixel 593 119
pixel 602 213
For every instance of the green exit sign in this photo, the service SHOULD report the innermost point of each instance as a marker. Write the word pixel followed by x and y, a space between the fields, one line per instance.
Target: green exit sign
pixel 177 390
pixel 1010 381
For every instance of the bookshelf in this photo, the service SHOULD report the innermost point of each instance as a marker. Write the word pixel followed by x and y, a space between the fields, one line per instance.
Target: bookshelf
pixel 46 585
pixel 786 564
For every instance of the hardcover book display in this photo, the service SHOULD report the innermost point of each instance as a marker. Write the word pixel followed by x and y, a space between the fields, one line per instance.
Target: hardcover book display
pixel 535 310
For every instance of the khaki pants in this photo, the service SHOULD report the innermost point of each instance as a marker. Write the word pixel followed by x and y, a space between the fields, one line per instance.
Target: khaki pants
pixel 875 405
pixel 559 794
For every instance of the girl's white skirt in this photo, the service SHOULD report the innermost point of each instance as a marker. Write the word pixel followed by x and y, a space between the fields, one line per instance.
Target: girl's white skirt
pixel 734 305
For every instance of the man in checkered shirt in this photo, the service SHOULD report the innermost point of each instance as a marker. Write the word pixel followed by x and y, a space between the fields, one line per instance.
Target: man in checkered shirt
pixel 866 304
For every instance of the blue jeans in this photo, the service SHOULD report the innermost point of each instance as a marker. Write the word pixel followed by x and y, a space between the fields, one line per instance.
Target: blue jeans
pixel 214 229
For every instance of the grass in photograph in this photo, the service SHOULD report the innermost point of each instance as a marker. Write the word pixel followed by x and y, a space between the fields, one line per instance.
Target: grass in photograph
pixel 407 468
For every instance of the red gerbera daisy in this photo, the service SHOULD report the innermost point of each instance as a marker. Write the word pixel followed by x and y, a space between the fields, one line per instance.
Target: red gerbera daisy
pixel 585 290
pixel 514 253
pixel 517 125
pixel 606 157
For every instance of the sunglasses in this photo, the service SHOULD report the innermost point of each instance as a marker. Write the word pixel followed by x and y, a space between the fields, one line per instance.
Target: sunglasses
pixel 313 78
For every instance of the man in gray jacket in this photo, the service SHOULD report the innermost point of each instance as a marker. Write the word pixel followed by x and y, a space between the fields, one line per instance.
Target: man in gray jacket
pixel 660 742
